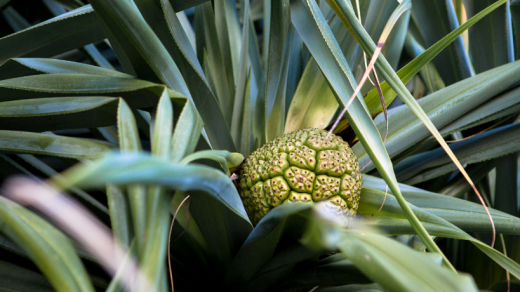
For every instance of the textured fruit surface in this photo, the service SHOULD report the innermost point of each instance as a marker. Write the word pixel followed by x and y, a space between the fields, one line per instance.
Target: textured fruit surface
pixel 301 166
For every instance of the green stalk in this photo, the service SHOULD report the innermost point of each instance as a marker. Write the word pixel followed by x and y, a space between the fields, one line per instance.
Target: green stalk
pixel 344 11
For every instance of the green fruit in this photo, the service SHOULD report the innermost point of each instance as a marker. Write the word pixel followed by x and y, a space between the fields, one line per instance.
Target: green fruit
pixel 301 166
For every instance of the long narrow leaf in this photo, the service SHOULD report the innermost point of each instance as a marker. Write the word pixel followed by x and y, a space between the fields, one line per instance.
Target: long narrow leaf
pixel 52 251
pixel 356 114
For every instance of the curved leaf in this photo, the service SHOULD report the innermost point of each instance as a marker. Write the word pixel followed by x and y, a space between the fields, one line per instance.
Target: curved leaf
pixel 51 251
pixel 226 159
pixel 396 267
pixel 261 244
pixel 122 169
pixel 53 145
pixel 391 219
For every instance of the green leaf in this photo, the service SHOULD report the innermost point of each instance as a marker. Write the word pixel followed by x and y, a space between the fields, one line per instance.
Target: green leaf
pixel 183 218
pixel 247 145
pixel 71 4
pixel 394 44
pixel 313 101
pixel 405 128
pixel 391 219
pixel 128 133
pixel 458 186
pixel 137 93
pixel 53 145
pixel 96 57
pixel 220 71
pixel 254 51
pixel 228 30
pixel 283 262
pixel 180 5
pixel 59 113
pixel 412 68
pixel 48 171
pixel 221 226
pixel 490 40
pixel 396 267
pixel 488 145
pixel 158 200
pixel 464 214
pixel 202 94
pixel 122 169
pixel 165 24
pixel 515 17
pixel 15 20
pixel 239 109
pixel 276 68
pixel 429 73
pixel 58 35
pixel 226 159
pixel 261 244
pixel 20 67
pixel 119 214
pixel 276 119
pixel 326 52
pixel 499 107
pixel 187 133
pixel 352 288
pixel 129 142
pixel 325 274
pixel 435 19
pixel 148 56
pixel 506 199
pixel 50 250
pixel 17 278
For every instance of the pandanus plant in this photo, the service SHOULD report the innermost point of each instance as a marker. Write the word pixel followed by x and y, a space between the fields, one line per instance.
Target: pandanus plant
pixel 144 110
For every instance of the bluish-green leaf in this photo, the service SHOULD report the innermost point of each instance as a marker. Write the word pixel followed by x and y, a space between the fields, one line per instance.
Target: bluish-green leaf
pixel 53 145
pixel 442 107
pixel 491 39
pixel 58 113
pixel 485 146
pixel 435 19
pixel 60 34
pixel 122 169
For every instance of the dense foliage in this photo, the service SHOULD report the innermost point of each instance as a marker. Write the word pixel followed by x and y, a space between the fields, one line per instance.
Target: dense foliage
pixel 142 110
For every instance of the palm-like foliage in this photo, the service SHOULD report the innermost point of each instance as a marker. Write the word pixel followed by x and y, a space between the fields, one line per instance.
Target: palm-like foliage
pixel 193 94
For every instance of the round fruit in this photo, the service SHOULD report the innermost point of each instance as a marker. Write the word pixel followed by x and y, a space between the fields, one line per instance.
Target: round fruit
pixel 301 166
